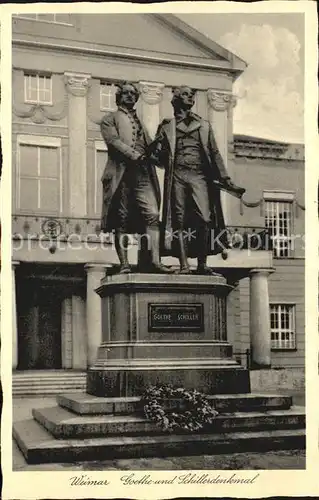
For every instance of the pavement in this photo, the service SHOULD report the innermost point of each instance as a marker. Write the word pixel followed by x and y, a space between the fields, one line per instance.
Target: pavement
pixel 291 459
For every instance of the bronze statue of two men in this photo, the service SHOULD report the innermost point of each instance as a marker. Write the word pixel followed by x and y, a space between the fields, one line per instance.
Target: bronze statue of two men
pixel 193 223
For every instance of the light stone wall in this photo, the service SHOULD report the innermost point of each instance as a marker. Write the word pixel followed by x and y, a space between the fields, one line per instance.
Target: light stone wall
pixel 291 379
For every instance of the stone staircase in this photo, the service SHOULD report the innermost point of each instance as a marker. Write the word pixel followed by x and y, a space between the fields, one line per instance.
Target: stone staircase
pixel 47 382
pixel 83 427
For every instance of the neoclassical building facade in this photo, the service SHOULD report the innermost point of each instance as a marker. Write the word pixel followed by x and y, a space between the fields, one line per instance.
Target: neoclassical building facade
pixel 65 71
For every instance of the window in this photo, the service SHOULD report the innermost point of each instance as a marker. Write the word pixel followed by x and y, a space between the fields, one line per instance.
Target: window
pixel 39 174
pixel 49 18
pixel 107 97
pixel 100 162
pixel 282 325
pixel 38 89
pixel 279 222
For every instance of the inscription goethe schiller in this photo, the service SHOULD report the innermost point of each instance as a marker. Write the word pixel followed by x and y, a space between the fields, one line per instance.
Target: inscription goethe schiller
pixel 175 317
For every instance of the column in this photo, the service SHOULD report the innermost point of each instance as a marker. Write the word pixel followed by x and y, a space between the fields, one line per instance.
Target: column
pixel 77 85
pixel 149 107
pixel 66 333
pixel 233 314
pixel 95 272
pixel 14 264
pixel 219 104
pixel 79 332
pixel 260 337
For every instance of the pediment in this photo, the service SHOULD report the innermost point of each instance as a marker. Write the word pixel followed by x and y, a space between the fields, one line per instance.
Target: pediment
pixel 160 35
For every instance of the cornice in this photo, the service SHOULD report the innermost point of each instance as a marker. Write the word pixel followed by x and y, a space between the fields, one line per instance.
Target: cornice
pixel 250 149
pixel 220 66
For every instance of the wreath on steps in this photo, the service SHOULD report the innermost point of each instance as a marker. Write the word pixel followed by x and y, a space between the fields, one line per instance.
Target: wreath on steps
pixel 176 409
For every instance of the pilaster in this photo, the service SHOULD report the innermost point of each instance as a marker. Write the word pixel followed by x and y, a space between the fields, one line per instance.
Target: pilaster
pixel 151 95
pixel 219 106
pixel 77 85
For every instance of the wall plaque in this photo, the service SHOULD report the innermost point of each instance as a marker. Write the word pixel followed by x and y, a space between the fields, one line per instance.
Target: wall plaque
pixel 176 317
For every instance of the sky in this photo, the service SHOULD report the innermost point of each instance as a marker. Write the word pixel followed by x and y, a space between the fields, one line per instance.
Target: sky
pixel 271 89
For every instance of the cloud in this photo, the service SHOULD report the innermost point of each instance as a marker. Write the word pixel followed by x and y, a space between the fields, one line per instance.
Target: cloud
pixel 272 84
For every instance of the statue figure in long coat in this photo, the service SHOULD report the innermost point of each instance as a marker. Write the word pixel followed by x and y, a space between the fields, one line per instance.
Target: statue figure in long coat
pixel 195 173
pixel 131 193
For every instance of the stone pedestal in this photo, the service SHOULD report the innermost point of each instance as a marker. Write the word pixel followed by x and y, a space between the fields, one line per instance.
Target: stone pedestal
pixel 164 329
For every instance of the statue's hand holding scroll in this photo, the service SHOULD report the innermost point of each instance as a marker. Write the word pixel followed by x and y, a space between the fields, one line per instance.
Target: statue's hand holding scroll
pixel 226 184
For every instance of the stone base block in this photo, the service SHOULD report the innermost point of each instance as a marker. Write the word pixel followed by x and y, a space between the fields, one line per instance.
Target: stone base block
pixel 86 404
pixel 38 446
pixel 62 424
pixel 155 350
pixel 127 382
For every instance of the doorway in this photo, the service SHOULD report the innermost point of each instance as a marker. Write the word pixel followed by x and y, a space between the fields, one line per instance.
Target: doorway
pixel 39 326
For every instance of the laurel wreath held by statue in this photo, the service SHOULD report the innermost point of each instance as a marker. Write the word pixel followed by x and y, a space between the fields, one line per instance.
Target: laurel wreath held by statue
pixel 176 409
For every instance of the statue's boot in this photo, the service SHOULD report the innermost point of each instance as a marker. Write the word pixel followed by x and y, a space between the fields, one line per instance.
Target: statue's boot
pixel 203 241
pixel 205 270
pixel 184 266
pixel 121 249
pixel 224 254
pixel 156 266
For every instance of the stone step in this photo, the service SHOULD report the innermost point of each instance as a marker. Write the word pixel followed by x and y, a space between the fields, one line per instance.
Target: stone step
pixel 84 404
pixel 38 445
pixel 34 383
pixel 33 374
pixel 64 424
pixel 42 380
pixel 49 391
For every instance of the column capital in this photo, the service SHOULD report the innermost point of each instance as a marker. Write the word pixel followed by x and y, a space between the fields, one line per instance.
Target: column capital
pixel 77 84
pixel 151 92
pixel 263 271
pixel 220 101
pixel 96 267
